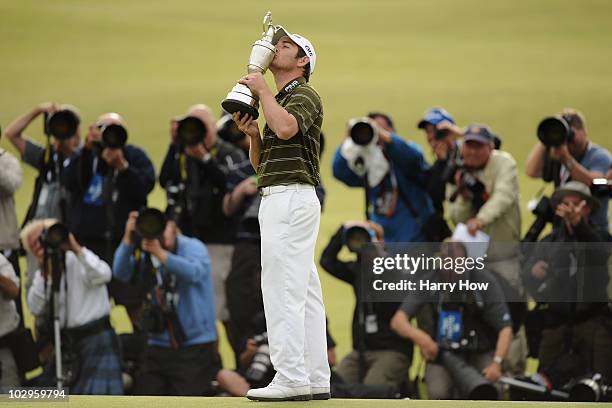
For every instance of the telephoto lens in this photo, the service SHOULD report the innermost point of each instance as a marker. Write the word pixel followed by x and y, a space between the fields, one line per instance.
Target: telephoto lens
pixel 55 236
pixel 191 131
pixel 150 223
pixel 362 132
pixel 62 124
pixel 356 237
pixel 228 130
pixel 114 136
pixel 554 131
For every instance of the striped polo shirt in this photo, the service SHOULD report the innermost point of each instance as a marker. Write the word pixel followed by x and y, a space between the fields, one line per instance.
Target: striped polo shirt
pixel 295 160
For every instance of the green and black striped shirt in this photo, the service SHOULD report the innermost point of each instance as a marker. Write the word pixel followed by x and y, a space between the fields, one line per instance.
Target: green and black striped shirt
pixel 295 160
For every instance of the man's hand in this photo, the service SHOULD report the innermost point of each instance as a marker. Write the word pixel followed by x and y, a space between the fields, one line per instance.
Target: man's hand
pixel 473 225
pixel 246 124
pixel 48 107
pixel 571 213
pixel 539 270
pixel 197 151
pixel 256 83
pixel 384 136
pixel 440 150
pixel 153 246
pixel 73 245
pixel 173 131
pixel 130 227
pixel 429 349
pixel 492 372
pixel 248 187
pixel 331 357
pixel 114 158
pixel 560 153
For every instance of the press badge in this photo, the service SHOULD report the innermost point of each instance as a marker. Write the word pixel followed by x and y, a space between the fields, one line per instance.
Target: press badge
pixel 450 326
pixel 93 195
pixel 371 325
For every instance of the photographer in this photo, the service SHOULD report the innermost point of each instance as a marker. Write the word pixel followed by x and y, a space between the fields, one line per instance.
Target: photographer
pixel 392 171
pixel 386 356
pixel 441 133
pixel 108 178
pixel 181 358
pixel 472 325
pixel 194 175
pixel 580 159
pixel 578 320
pixel 9 321
pixel 84 308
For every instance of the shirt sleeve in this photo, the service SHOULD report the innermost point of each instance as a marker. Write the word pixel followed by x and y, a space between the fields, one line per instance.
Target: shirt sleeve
pixel 11 174
pixel 305 106
pixel 600 162
pixel 94 270
pixel 496 313
pixel 505 193
pixel 6 270
pixel 36 295
pixel 33 154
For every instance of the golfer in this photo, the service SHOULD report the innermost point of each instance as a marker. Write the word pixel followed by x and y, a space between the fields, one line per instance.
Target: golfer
pixel 287 164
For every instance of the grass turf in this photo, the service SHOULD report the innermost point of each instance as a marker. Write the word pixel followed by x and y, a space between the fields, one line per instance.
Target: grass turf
pixel 505 63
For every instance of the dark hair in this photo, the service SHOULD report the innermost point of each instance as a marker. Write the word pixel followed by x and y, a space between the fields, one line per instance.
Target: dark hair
pixel 301 53
pixel 386 118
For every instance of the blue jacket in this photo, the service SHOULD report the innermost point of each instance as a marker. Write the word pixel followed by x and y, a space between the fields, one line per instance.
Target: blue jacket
pixel 409 166
pixel 196 306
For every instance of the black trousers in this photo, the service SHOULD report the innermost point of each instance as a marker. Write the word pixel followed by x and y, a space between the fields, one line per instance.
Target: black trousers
pixel 243 293
pixel 186 371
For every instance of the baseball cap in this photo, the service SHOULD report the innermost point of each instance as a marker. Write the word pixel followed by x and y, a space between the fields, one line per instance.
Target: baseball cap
pixel 435 116
pixel 300 41
pixel 479 133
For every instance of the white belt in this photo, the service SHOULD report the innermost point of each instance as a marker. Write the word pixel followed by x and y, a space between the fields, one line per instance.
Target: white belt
pixel 265 191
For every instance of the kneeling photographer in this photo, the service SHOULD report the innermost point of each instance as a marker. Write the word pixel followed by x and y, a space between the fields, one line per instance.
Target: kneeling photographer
pixel 379 355
pixel 464 335
pixel 392 172
pixel 70 284
pixel 564 152
pixel 179 314
pixel 570 282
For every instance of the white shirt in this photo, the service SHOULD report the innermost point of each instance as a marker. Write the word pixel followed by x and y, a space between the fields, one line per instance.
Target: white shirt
pixel 9 318
pixel 87 295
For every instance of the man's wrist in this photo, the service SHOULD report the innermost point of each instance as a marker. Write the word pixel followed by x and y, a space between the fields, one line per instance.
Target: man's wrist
pixel 498 360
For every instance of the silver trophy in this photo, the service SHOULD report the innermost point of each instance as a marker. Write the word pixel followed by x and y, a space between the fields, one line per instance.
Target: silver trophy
pixel 240 98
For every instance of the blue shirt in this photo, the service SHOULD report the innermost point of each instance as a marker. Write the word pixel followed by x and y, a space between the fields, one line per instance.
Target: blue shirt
pixel 598 159
pixel 408 166
pixel 195 306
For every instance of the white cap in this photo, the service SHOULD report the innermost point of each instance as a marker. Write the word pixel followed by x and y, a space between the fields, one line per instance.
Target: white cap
pixel 300 41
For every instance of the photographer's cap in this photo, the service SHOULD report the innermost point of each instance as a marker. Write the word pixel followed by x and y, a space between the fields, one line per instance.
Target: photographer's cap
pixel 574 188
pixel 479 133
pixel 300 41
pixel 435 116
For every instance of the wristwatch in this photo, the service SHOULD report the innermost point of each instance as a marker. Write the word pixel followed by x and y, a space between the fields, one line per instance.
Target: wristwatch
pixel 570 164
pixel 499 360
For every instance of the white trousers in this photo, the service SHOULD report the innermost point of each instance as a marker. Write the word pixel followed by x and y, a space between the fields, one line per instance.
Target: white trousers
pixel 295 316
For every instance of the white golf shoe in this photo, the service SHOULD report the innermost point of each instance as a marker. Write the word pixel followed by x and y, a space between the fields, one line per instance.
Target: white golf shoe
pixel 277 392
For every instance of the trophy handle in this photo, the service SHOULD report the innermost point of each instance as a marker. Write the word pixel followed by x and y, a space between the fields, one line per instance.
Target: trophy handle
pixel 267 22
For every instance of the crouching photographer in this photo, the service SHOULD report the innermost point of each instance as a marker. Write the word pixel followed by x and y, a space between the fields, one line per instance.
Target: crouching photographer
pixel 379 355
pixel 568 275
pixel 564 152
pixel 392 172
pixel 179 314
pixel 70 284
pixel 464 335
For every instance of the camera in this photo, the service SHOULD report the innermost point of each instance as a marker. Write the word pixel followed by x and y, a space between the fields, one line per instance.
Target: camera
pixel 175 197
pixel 601 187
pixel 556 130
pixel 55 236
pixel 356 237
pixel 62 124
pixel 228 130
pixel 544 213
pixel 468 182
pixel 261 363
pixel 150 223
pixel 114 136
pixel 591 388
pixel 362 132
pixel 190 131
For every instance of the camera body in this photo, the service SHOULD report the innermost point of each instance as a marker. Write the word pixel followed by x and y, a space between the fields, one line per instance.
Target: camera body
pixel 601 188
pixel 54 237
pixel 228 130
pixel 261 363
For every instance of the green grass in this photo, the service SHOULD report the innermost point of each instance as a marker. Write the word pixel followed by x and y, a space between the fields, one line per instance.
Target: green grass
pixel 505 63
pixel 199 402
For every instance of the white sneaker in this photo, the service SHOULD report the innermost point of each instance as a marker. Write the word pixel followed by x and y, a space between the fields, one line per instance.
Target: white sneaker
pixel 320 393
pixel 277 392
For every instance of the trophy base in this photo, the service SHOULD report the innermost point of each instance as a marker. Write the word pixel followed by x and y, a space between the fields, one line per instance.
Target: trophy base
pixel 240 99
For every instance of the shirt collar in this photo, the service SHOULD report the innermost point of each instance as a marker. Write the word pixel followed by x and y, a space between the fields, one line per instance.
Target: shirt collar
pixel 291 85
